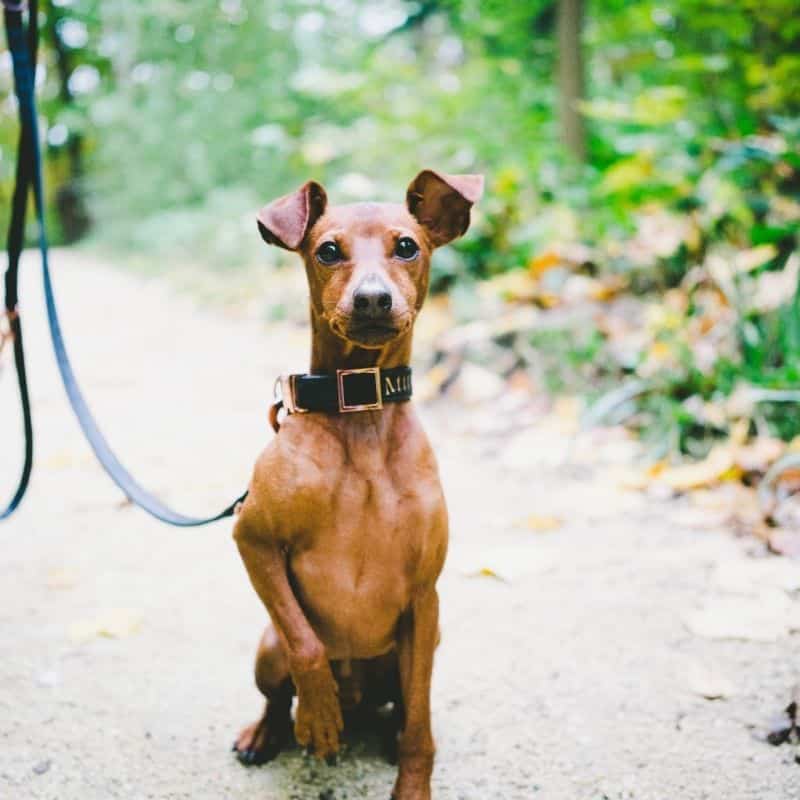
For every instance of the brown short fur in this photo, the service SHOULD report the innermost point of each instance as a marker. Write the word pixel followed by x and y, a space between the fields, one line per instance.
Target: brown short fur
pixel 344 531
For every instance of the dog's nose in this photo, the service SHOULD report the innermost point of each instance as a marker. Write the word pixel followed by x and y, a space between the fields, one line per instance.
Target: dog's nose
pixel 372 298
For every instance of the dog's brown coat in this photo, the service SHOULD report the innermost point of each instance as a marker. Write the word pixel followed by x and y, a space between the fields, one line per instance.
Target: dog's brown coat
pixel 344 531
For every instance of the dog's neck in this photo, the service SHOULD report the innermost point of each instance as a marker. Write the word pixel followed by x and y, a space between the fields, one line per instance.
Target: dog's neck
pixel 330 352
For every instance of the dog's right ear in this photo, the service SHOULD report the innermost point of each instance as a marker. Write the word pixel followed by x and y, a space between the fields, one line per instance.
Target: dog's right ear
pixel 286 221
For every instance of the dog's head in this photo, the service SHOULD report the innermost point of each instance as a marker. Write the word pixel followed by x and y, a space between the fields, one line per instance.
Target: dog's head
pixel 368 263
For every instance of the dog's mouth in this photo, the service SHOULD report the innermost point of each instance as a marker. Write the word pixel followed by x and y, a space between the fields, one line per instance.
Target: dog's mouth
pixel 369 333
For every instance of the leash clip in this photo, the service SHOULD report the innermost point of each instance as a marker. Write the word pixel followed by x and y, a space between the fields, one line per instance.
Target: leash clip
pixel 284 394
pixel 277 405
pixel 7 320
pixel 287 395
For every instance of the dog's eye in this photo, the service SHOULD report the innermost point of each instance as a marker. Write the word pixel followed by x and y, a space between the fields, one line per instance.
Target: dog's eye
pixel 406 248
pixel 329 253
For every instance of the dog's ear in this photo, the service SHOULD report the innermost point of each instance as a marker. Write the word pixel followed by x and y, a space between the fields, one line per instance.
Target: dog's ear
pixel 441 203
pixel 286 221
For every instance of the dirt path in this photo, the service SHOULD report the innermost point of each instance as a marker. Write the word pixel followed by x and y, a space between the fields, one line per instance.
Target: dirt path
pixel 572 678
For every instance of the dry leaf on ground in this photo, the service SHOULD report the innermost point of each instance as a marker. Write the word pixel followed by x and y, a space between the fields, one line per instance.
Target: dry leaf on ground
pixel 541 522
pixel 542 262
pixel 112 624
pixel 759 454
pixel 506 563
pixel 718 465
pixel 738 503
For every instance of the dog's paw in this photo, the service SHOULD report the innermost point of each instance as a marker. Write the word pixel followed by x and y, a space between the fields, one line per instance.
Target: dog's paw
pixel 260 742
pixel 413 778
pixel 319 714
pixel 421 793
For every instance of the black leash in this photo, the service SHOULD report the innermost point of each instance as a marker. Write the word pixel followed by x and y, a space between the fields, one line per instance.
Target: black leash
pixel 22 44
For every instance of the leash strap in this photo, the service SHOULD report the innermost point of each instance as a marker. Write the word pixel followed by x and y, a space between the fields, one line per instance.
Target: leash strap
pixel 28 51
pixel 22 46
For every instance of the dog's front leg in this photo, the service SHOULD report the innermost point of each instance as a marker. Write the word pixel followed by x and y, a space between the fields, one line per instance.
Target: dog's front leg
pixel 416 643
pixel 319 716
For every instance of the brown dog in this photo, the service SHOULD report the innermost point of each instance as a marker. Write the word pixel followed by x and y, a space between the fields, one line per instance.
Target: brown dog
pixel 344 531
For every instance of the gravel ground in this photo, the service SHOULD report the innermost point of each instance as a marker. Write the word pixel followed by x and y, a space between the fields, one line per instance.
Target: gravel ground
pixel 127 646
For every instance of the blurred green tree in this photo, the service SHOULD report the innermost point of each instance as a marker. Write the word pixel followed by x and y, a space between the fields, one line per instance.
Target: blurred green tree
pixel 171 122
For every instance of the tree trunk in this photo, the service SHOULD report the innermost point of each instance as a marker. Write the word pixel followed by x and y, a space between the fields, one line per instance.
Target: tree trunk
pixel 570 76
pixel 70 202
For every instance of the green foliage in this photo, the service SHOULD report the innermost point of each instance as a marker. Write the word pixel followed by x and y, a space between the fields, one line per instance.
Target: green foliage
pixel 573 360
pixel 174 103
pixel 174 121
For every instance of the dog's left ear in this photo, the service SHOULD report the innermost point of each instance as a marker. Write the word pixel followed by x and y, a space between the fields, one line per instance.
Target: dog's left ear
pixel 286 221
pixel 441 203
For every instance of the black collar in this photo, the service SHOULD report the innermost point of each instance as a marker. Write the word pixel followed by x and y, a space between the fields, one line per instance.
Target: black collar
pixel 348 390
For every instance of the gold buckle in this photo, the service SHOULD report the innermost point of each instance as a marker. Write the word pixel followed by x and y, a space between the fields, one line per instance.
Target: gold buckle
pixel 341 374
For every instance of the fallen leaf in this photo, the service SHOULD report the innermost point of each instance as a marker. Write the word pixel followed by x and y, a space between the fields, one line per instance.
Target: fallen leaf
pixel 541 522
pixel 748 260
pixel 739 503
pixel 759 454
pixel 549 300
pixel 539 264
pixel 717 466
pixel 112 624
pixel 506 563
pixel 608 287
pixel 516 287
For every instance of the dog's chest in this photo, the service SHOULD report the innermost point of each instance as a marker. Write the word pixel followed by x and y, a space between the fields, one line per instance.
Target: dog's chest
pixel 368 532
pixel 376 519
